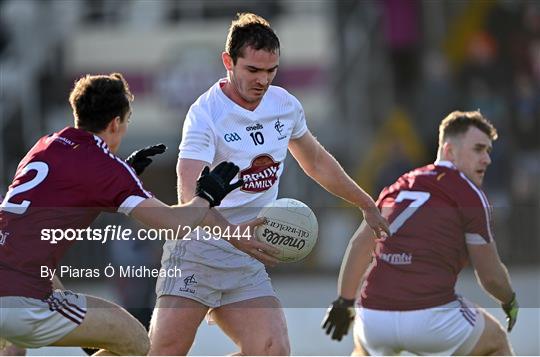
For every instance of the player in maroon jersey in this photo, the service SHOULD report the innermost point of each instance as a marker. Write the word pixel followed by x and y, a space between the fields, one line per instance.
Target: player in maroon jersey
pixel 440 219
pixel 64 182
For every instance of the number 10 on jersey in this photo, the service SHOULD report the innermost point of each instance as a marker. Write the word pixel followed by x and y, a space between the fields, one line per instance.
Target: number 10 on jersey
pixel 257 137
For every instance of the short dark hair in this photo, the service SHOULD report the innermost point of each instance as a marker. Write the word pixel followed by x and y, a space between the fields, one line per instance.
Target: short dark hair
pixel 97 99
pixel 250 30
pixel 457 123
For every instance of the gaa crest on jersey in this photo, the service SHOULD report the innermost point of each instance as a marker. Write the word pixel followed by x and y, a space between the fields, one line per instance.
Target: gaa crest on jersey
pixel 261 175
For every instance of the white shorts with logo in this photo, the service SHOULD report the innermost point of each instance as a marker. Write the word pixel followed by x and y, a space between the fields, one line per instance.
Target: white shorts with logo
pixel 213 273
pixel 33 323
pixel 450 329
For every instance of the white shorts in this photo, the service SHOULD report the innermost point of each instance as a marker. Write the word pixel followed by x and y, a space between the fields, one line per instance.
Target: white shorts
pixel 33 323
pixel 211 274
pixel 450 329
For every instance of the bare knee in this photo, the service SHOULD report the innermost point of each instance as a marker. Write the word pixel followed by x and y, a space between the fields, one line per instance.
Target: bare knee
pixel 167 348
pixel 166 341
pixel 139 348
pixel 174 324
pixel 278 347
pixel 143 346
pixel 131 338
pixel 271 346
pixel 138 344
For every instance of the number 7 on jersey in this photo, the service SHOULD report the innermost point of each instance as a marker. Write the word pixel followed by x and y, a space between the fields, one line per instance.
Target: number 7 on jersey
pixel 417 198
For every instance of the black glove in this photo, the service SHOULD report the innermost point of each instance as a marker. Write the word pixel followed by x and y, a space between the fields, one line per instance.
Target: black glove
pixel 139 159
pixel 214 185
pixel 511 310
pixel 338 317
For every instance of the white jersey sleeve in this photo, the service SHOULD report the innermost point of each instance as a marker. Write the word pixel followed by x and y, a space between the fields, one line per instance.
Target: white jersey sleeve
pixel 300 126
pixel 198 139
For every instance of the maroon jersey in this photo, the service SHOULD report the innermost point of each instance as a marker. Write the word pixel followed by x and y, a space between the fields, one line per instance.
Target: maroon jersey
pixel 434 211
pixel 63 182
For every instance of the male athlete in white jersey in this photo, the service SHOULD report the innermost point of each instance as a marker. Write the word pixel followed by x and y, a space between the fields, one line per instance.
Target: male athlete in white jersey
pixel 244 119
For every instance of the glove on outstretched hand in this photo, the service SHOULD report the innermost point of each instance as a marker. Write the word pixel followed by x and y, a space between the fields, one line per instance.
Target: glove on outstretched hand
pixel 214 185
pixel 139 159
pixel 511 309
pixel 338 318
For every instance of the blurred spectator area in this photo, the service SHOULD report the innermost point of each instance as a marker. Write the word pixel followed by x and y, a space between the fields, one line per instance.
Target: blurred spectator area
pixel 375 78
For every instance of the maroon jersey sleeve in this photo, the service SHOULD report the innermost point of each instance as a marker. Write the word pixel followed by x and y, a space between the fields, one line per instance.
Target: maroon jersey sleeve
pixel 115 185
pixel 476 213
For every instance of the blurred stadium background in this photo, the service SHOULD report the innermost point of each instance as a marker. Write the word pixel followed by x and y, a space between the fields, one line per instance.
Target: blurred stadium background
pixel 375 78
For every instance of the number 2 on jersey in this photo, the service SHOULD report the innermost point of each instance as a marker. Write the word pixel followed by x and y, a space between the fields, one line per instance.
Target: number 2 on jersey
pixel 418 198
pixel 19 208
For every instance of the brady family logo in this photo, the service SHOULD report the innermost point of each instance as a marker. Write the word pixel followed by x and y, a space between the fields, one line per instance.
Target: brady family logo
pixel 261 175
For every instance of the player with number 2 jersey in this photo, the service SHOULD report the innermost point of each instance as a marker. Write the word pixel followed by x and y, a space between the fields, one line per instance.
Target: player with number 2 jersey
pixel 60 186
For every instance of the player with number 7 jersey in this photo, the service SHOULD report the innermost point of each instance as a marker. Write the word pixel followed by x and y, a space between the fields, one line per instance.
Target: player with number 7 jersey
pixel 428 209
pixel 439 220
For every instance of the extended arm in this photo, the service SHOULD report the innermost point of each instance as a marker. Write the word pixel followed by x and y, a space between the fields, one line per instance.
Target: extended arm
pixel 211 188
pixel 493 277
pixel 321 166
pixel 490 271
pixel 356 261
pixel 156 214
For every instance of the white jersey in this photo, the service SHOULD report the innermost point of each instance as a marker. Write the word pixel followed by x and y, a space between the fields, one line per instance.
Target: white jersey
pixel 216 129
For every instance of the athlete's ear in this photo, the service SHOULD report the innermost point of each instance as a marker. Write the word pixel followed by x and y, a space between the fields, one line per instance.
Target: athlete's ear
pixel 227 61
pixel 114 125
pixel 448 151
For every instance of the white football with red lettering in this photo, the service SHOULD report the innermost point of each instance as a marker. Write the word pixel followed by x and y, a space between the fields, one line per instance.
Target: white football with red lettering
pixel 291 227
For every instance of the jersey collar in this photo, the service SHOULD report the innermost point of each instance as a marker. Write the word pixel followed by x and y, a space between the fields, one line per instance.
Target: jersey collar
pixel 231 103
pixel 101 143
pixel 445 163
